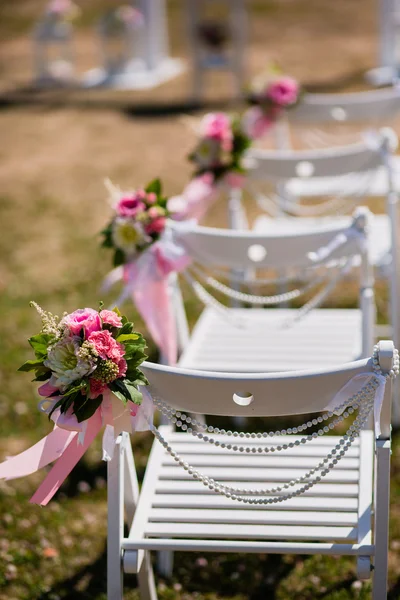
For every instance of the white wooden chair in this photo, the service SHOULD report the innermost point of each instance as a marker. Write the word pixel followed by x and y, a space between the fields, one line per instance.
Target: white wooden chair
pixel 351 107
pixel 290 170
pixel 240 339
pixel 179 509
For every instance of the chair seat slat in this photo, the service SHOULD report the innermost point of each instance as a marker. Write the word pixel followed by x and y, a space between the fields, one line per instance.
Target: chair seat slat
pixel 174 486
pixel 257 475
pixel 214 501
pixel 241 532
pixel 270 517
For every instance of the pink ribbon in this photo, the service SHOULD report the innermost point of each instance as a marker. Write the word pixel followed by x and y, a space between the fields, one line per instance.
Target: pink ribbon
pixel 146 281
pixel 69 440
pixel 195 199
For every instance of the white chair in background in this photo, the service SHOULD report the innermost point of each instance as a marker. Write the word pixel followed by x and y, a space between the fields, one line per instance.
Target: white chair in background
pixel 351 107
pixel 298 512
pixel 352 169
pixel 239 339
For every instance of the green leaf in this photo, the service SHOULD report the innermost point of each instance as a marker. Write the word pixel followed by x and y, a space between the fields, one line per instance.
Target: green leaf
pixel 141 379
pixel 126 328
pixel 86 409
pixel 40 344
pixel 32 365
pixel 119 258
pixel 119 388
pixel 117 311
pixel 42 375
pixel 135 395
pixel 124 337
pixel 154 186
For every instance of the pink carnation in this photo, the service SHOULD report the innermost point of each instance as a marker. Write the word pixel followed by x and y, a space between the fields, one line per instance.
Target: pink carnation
pixel 96 388
pixel 283 91
pixel 217 126
pixel 123 367
pixel 83 318
pixel 130 206
pixel 111 318
pixel 106 346
pixel 156 225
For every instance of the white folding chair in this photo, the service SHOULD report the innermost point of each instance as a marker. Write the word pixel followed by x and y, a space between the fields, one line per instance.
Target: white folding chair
pixel 239 339
pixel 316 172
pixel 299 511
pixel 351 107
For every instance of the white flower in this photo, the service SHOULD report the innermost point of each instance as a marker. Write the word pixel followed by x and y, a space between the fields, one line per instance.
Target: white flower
pixel 65 364
pixel 208 153
pixel 127 235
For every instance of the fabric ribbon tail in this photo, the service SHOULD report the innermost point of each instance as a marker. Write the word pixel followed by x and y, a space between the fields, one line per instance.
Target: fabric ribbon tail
pixel 111 279
pixel 46 451
pixel 144 415
pixel 152 299
pixel 108 443
pixel 66 462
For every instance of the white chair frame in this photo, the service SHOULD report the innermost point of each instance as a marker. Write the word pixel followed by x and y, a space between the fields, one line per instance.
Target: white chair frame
pixel 231 249
pixel 281 167
pixel 299 393
pixel 353 107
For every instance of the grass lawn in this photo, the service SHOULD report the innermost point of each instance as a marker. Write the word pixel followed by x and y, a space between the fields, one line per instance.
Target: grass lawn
pixel 57 148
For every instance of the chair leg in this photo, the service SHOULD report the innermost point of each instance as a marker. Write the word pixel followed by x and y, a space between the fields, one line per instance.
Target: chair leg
pixel 115 519
pixel 147 585
pixel 382 484
pixel 165 563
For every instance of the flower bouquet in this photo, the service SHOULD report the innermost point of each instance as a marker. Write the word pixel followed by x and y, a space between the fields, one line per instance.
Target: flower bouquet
pixel 89 362
pixel 139 220
pixel 221 147
pixel 271 95
pixel 145 254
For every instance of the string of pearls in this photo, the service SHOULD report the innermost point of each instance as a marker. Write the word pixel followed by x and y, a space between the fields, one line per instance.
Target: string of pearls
pixel 255 299
pixel 323 468
pixel 319 298
pixel 210 301
pixel 348 407
pixel 362 400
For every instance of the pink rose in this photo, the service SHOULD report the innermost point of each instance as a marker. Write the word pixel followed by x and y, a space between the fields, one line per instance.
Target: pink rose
pixel 283 91
pixel 256 123
pixel 111 318
pixel 156 225
pixel 123 367
pixel 217 126
pixel 130 206
pixel 96 388
pixel 151 198
pixel 83 318
pixel 106 346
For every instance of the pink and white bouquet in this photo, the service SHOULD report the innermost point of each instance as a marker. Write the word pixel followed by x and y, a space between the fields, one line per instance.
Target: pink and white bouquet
pixel 84 355
pixel 89 362
pixel 139 221
pixel 221 147
pixel 270 96
pixel 63 10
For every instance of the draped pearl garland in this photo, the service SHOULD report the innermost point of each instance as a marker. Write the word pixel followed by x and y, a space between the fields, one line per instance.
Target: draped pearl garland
pixel 363 401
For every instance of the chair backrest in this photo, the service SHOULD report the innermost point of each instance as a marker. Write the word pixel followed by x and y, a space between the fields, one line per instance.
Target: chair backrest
pixel 234 249
pixel 260 394
pixel 277 165
pixel 346 108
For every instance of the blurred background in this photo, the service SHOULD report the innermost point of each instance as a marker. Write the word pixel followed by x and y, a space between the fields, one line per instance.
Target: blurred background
pixel 61 136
